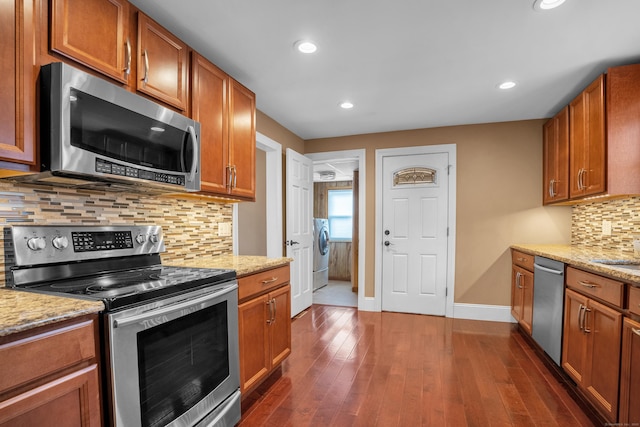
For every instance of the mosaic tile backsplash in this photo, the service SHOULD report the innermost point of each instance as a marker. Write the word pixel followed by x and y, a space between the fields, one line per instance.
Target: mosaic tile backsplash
pixel 624 214
pixel 190 226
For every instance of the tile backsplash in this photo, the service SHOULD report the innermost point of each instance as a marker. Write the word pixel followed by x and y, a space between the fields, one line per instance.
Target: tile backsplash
pixel 190 226
pixel 624 214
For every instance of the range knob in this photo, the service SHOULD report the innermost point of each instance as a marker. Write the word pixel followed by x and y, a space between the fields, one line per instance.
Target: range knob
pixel 154 238
pixel 140 239
pixel 60 242
pixel 37 243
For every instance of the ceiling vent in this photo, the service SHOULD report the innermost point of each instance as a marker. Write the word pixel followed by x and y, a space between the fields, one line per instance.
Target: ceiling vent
pixel 327 175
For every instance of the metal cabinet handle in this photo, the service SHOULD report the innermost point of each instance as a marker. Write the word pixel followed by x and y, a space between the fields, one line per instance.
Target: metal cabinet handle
pixel 552 184
pixel 580 319
pixel 519 280
pixel 270 312
pixel 584 320
pixel 587 284
pixel 266 282
pixel 275 310
pixel 145 79
pixel 127 69
pixel 229 176
pixel 636 331
pixel 235 176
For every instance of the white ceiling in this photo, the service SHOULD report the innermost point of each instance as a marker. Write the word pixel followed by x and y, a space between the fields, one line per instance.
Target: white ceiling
pixel 342 169
pixel 405 64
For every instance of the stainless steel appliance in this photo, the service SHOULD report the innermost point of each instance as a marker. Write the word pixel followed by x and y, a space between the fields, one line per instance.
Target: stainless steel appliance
pixel 170 334
pixel 548 306
pixel 320 252
pixel 95 134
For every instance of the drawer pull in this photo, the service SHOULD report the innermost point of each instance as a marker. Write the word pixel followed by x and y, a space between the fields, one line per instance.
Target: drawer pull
pixel 273 279
pixel 636 331
pixel 522 259
pixel 587 284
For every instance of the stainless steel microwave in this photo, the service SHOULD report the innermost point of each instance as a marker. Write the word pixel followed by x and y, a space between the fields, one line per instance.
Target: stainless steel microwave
pixel 96 134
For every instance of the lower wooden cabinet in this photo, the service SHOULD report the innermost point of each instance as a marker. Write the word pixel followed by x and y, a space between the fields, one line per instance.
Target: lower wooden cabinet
pixel 630 377
pixel 591 350
pixel 50 377
pixel 264 324
pixel 522 297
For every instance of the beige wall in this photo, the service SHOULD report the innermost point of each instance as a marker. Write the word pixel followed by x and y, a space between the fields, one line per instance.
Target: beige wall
pixel 274 130
pixel 252 230
pixel 499 199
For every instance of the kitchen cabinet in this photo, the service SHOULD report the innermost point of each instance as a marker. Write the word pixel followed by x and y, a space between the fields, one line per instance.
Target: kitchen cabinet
pixel 591 341
pixel 18 76
pixel 63 386
pixel 630 375
pixel 522 289
pixel 94 33
pixel 264 324
pixel 226 112
pixel 587 143
pixel 162 70
pixel 556 158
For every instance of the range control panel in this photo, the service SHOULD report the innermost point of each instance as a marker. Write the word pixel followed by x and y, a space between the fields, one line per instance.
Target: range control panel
pixel 34 245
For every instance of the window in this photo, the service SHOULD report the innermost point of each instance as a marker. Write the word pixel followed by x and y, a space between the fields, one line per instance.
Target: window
pixel 340 207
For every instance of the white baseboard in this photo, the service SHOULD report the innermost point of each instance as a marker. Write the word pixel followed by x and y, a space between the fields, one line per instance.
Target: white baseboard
pixel 492 313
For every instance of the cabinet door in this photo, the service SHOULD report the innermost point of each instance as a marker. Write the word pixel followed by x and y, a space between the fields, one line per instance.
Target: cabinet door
pixel 162 64
pixel 516 292
pixel 209 106
pixel 527 300
pixel 573 340
pixel 18 71
pixel 587 145
pixel 242 141
pixel 68 401
pixel 281 324
pixel 603 327
pixel 630 377
pixel 94 33
pixel 255 360
pixel 556 158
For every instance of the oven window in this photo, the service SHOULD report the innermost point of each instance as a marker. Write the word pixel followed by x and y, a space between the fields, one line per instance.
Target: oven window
pixel 180 362
pixel 120 134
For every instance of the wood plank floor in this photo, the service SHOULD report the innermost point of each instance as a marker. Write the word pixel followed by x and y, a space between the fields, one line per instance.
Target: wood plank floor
pixel 351 368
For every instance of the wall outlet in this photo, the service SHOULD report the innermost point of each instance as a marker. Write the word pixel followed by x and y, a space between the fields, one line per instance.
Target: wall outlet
pixel 224 229
pixel 606 227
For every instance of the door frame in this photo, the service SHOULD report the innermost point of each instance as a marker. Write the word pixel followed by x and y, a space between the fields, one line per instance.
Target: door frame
pixel 364 303
pixel 275 235
pixel 451 217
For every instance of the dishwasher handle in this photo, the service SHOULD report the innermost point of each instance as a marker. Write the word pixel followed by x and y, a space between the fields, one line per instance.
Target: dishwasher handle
pixel 548 270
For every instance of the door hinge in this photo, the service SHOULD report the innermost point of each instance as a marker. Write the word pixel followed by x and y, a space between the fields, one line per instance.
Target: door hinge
pixel 449 169
pixel 447 231
pixel 446 292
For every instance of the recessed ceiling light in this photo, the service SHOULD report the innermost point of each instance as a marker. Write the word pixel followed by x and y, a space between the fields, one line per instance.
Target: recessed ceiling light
pixel 346 105
pixel 305 46
pixel 507 85
pixel 546 4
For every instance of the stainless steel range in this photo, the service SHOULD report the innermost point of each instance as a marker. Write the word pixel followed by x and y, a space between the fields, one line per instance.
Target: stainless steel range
pixel 170 334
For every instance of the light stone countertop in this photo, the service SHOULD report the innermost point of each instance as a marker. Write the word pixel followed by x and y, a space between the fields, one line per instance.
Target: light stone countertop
pixel 242 264
pixel 22 310
pixel 582 257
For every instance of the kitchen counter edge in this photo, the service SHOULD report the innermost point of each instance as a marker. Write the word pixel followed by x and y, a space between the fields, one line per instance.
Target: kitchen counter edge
pixel 244 265
pixel 583 258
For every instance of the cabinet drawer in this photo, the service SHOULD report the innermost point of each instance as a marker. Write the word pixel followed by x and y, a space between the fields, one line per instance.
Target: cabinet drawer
pixel 256 284
pixel 44 354
pixel 600 287
pixel 522 259
pixel 634 300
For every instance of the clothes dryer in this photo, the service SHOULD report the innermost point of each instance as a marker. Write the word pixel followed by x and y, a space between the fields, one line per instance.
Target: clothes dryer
pixel 320 252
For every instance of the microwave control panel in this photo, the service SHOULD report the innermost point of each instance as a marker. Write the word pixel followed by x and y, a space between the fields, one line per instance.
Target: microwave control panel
pixel 105 166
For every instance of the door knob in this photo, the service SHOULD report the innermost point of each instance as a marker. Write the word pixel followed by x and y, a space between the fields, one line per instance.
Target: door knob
pixel 291 243
pixel 387 243
pixel 386 232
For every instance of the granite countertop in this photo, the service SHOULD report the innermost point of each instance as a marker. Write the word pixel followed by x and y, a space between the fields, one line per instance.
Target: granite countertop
pixel 242 264
pixel 583 257
pixel 21 310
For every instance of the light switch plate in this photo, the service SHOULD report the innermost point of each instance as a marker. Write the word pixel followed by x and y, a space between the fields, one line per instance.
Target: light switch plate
pixel 224 229
pixel 606 227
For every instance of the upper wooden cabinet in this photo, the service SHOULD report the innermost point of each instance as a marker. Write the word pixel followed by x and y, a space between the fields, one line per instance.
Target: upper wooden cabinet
pixel 603 133
pixel 556 158
pixel 226 112
pixel 18 73
pixel 587 144
pixel 94 33
pixel 162 70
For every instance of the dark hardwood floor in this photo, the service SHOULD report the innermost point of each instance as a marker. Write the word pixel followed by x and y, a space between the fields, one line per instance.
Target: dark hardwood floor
pixel 350 368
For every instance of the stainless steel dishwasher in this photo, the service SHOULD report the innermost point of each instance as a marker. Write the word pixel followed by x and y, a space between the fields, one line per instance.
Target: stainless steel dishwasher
pixel 548 305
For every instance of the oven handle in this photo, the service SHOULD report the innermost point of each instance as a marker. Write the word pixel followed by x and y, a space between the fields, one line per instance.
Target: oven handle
pixel 172 307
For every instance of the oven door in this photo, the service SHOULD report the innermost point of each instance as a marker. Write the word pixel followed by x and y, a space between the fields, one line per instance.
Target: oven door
pixel 175 361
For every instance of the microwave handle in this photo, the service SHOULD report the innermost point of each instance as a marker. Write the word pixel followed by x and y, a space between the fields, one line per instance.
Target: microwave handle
pixel 196 150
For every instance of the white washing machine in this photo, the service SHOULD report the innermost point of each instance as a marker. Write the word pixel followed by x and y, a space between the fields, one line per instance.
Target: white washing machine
pixel 320 252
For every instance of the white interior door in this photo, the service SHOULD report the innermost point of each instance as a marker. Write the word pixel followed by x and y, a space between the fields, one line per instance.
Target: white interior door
pixel 300 228
pixel 414 227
